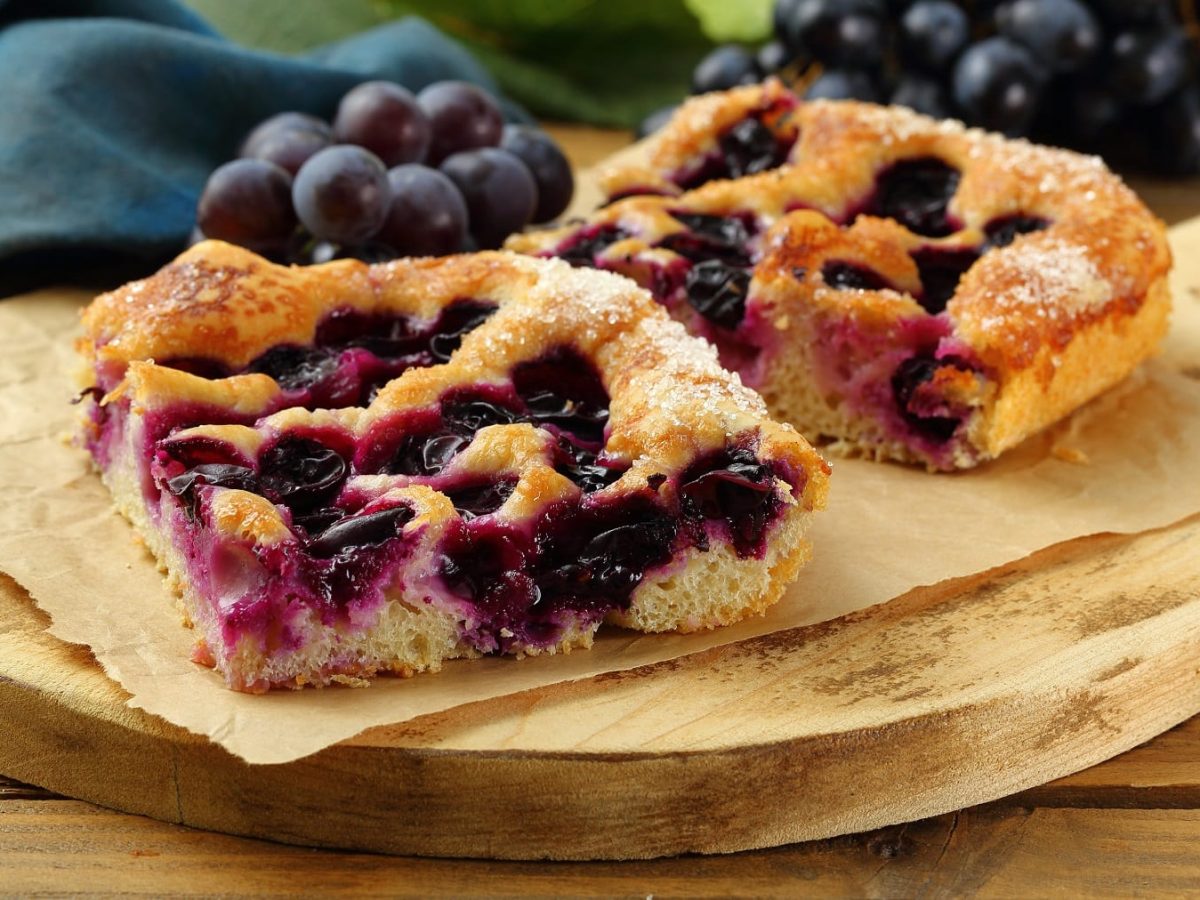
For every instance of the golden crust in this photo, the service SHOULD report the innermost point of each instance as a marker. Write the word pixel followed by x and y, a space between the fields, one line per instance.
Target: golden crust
pixel 672 401
pixel 1102 352
pixel 217 297
pixel 1018 310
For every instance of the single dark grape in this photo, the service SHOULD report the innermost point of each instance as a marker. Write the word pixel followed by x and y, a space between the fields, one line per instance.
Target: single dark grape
pixel 500 192
pixel 427 215
pixel 839 32
pixel 997 83
pixel 749 147
pixel 773 56
pixel 342 194
pixel 933 33
pixel 843 84
pixel 384 118
pixel 291 149
pixel 247 202
pixel 924 94
pixel 917 192
pixel 364 530
pixel 723 68
pixel 301 473
pixel 718 292
pixel 549 167
pixel 654 121
pixel 461 116
pixel 1175 133
pixel 1062 34
pixel 280 123
pixel 1148 66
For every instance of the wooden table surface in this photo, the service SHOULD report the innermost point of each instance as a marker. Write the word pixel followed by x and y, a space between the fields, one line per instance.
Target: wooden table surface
pixel 1130 826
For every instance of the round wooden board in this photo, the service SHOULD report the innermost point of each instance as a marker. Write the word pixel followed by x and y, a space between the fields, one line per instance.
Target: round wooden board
pixel 946 697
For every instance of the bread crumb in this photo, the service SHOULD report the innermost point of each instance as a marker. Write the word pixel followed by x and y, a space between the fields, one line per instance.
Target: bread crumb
pixel 1072 455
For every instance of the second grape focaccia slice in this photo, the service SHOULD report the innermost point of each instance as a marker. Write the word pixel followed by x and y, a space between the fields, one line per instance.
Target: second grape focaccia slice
pixel 896 287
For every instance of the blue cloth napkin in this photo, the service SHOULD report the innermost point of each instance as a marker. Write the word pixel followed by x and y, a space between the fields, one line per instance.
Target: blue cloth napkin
pixel 114 112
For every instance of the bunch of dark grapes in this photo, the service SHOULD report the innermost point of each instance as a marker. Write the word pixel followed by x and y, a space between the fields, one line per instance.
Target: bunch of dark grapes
pixel 1111 76
pixel 393 175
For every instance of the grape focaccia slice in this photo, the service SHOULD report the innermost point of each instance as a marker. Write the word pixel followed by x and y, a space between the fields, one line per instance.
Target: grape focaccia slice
pixel 899 287
pixel 352 469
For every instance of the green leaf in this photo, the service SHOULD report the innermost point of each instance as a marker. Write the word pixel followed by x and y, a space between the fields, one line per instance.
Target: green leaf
pixel 748 21
pixel 608 62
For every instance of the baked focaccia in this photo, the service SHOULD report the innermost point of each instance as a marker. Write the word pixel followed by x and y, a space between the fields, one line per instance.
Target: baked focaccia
pixel 350 469
pixel 896 287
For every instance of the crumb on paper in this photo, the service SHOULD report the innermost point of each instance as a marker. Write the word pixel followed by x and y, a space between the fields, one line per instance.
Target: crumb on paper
pixel 350 681
pixel 1072 455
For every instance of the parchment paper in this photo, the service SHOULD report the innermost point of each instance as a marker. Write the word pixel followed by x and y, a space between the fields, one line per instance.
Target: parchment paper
pixel 888 529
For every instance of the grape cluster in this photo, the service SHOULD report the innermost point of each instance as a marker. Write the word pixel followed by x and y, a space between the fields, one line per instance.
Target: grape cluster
pixel 1110 76
pixel 393 175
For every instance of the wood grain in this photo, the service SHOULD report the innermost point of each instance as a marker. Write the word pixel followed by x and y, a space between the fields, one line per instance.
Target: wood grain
pixel 69 847
pixel 1164 773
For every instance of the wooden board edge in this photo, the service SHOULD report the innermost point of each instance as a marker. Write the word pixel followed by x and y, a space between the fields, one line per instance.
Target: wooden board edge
pixel 514 805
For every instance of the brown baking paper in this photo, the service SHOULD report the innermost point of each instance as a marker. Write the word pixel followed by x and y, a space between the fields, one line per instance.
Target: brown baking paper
pixel 888 529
